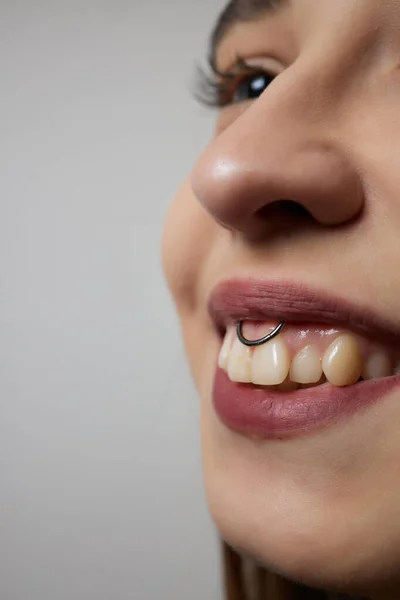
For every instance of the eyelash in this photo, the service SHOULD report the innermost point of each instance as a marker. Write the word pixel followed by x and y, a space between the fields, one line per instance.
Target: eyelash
pixel 217 89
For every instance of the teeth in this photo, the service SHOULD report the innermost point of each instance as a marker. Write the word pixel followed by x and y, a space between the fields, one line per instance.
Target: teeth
pixel 225 352
pixel 306 366
pixel 304 386
pixel 377 365
pixel 239 364
pixel 342 362
pixel 270 363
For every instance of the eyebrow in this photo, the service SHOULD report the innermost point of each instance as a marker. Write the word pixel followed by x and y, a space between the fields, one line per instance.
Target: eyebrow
pixel 239 11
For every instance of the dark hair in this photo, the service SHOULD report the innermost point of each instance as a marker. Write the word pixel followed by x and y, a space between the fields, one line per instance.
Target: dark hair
pixel 238 10
pixel 245 580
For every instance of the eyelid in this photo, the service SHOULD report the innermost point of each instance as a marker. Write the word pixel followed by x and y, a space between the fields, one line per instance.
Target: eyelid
pixel 256 63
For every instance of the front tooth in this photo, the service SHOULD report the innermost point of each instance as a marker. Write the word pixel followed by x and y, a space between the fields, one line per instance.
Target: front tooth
pixel 309 386
pixel 239 364
pixel 225 351
pixel 377 365
pixel 270 363
pixel 342 362
pixel 306 366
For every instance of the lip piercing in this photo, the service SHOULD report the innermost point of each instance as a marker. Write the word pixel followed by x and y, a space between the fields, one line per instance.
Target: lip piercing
pixel 264 340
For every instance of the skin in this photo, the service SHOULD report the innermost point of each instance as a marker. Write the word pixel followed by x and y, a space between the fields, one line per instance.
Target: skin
pixel 322 509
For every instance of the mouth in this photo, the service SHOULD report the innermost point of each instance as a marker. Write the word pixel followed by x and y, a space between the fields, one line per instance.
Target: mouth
pixel 331 360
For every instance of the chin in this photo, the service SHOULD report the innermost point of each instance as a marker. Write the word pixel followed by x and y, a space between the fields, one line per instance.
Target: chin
pixel 307 547
pixel 310 521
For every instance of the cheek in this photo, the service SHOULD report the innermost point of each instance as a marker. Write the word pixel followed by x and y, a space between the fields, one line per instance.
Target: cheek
pixel 189 237
pixel 185 243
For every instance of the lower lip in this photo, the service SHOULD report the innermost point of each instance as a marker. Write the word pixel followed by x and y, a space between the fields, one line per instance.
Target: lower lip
pixel 269 414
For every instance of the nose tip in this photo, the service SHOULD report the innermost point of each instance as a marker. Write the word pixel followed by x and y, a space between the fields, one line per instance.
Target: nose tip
pixel 245 171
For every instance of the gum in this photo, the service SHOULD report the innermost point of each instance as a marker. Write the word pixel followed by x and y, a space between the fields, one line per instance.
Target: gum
pixel 299 335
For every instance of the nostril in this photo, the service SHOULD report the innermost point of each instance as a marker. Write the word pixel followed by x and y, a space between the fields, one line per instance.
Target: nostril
pixel 283 210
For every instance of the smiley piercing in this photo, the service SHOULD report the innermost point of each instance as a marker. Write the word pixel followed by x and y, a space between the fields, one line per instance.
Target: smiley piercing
pixel 260 342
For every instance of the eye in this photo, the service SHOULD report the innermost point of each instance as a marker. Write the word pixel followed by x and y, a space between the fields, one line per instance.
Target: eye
pixel 250 87
pixel 242 83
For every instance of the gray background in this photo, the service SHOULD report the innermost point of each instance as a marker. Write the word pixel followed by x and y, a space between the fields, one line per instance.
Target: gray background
pixel 100 478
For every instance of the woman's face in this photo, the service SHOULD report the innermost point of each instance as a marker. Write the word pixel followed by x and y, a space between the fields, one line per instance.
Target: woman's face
pixel 292 214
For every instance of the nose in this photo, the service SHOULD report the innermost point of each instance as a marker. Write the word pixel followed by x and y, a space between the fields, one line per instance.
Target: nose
pixel 276 152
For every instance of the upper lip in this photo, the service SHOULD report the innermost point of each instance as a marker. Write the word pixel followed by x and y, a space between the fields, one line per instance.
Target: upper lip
pixel 240 299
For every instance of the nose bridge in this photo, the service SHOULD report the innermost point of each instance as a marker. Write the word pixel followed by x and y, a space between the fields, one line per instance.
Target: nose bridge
pixel 283 147
pixel 294 114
